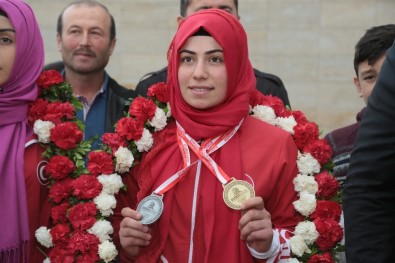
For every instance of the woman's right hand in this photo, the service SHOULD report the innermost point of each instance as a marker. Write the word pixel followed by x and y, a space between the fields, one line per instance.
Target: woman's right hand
pixel 133 235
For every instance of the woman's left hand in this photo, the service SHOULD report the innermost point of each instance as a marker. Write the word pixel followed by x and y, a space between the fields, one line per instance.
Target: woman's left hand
pixel 256 225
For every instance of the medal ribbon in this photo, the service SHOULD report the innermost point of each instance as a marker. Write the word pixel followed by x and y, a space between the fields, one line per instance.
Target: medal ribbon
pixel 208 147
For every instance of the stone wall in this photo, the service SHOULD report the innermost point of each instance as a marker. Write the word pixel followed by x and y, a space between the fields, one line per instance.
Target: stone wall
pixel 308 43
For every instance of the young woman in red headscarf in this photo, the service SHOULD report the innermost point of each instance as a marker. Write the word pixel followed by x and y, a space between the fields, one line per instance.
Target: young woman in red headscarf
pixel 225 178
pixel 21 62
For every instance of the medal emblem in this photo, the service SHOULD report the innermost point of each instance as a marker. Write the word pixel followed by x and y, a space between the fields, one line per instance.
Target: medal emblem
pixel 236 192
pixel 151 208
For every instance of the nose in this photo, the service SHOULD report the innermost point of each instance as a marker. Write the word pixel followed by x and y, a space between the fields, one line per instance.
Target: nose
pixel 200 71
pixel 85 39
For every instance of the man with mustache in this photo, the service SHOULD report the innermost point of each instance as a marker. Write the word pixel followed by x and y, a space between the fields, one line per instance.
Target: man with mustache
pixel 86 39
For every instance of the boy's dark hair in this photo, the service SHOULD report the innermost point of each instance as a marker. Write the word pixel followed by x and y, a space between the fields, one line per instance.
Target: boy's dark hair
pixel 185 3
pixel 92 3
pixel 376 41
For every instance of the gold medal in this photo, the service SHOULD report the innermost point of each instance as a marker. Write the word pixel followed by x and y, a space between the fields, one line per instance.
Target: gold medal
pixel 236 192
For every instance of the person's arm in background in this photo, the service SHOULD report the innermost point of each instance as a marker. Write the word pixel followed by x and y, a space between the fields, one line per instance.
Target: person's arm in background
pixel 369 193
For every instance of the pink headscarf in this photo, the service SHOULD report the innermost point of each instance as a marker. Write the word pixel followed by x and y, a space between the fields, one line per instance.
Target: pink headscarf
pixel 165 158
pixel 19 90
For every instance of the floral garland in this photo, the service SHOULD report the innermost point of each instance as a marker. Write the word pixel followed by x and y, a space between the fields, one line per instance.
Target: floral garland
pixel 82 196
pixel 316 239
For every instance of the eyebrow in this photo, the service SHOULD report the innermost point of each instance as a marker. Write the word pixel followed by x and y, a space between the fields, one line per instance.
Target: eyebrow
pixel 208 52
pixel 210 7
pixel 369 71
pixel 7 30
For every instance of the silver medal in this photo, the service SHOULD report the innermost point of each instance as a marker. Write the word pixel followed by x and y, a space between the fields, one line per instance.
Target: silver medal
pixel 151 208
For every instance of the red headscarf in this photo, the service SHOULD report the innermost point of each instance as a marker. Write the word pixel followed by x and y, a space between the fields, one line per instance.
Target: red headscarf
pixel 18 91
pixel 220 223
pixel 230 35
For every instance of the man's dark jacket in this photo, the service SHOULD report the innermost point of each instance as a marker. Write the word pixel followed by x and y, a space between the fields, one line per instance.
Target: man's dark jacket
pixel 117 96
pixel 369 191
pixel 266 83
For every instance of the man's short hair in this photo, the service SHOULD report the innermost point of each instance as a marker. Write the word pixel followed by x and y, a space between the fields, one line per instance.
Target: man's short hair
pixel 91 3
pixel 185 3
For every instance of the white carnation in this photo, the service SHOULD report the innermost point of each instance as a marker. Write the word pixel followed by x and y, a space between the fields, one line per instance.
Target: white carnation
pixel 43 130
pixel 307 164
pixel 287 124
pixel 264 113
pixel 107 251
pixel 105 203
pixel 47 260
pixel 306 203
pixel 292 260
pixel 102 229
pixel 307 231
pixel 124 160
pixel 305 183
pixel 44 237
pixel 298 246
pixel 159 121
pixel 146 141
pixel 111 183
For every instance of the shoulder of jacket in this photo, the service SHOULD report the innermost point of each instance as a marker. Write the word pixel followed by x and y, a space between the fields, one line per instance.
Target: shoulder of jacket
pixel 58 65
pixel 267 77
pixel 153 74
pixel 120 90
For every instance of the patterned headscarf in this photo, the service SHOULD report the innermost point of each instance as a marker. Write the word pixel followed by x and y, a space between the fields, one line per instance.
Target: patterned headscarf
pixel 19 90
pixel 165 158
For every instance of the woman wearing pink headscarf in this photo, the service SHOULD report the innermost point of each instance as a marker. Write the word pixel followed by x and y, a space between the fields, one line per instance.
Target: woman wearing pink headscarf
pixel 21 61
pixel 225 178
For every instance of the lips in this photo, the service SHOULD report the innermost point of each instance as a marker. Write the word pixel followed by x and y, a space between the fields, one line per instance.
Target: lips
pixel 200 88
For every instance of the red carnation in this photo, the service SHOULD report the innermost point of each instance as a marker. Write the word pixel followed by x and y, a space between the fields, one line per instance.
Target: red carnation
pixel 323 258
pixel 159 91
pixel 59 213
pixel 257 98
pixel 49 78
pixel 143 109
pixel 327 185
pixel 86 187
pixel 61 254
pixel 320 150
pixel 327 210
pixel 299 117
pixel 114 141
pixel 84 243
pixel 130 128
pixel 66 135
pixel 100 162
pixel 56 111
pixel 305 133
pixel 330 233
pixel 60 234
pixel 89 257
pixel 59 167
pixel 37 110
pixel 82 216
pixel 60 190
